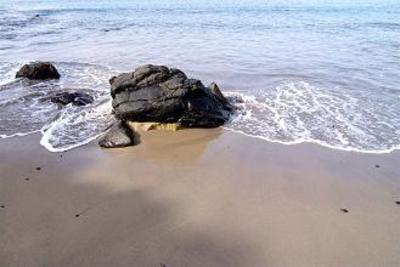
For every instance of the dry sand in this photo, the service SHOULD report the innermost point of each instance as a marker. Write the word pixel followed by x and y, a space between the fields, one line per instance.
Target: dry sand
pixel 197 198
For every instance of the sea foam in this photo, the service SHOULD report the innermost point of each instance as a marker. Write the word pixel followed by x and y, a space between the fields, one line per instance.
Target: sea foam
pixel 297 112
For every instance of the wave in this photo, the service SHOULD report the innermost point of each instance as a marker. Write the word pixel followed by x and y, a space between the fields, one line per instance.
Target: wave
pixel 295 113
pixel 318 142
pixel 18 134
pixel 27 109
pixel 73 129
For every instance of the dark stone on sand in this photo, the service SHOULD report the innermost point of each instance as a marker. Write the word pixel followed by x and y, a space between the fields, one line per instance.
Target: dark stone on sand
pixel 77 215
pixel 38 71
pixel 160 94
pixel 2 206
pixel 27 179
pixel 76 98
pixel 377 166
pixel 344 210
pixel 119 136
pixel 38 168
pixel 398 202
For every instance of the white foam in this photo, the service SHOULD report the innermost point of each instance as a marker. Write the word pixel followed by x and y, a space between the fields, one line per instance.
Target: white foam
pixel 76 126
pixel 45 141
pixel 295 113
pixel 318 142
pixel 27 109
pixel 7 72
pixel 18 134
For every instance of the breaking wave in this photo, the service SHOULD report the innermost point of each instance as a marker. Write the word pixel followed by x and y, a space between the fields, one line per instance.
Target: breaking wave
pixel 297 112
pixel 26 106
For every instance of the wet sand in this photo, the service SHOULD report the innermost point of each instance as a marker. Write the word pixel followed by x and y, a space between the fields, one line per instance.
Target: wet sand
pixel 197 198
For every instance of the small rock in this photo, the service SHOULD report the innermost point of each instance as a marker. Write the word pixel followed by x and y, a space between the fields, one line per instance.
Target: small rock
pixel 76 98
pixel 27 179
pixel 77 215
pixel 397 202
pixel 2 206
pixel 119 136
pixel 38 71
pixel 377 166
pixel 38 168
pixel 344 210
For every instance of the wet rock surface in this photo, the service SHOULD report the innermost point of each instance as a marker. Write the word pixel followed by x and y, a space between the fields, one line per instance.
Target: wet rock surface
pixel 217 92
pixel 160 94
pixel 76 98
pixel 38 71
pixel 119 136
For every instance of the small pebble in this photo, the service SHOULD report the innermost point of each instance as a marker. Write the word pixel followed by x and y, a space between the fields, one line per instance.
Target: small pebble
pixel 77 215
pixel 377 166
pixel 60 156
pixel 38 168
pixel 2 206
pixel 397 202
pixel 344 210
pixel 27 179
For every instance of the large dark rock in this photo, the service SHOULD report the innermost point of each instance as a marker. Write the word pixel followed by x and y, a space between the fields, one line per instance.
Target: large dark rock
pixel 119 136
pixel 161 94
pixel 76 98
pixel 38 71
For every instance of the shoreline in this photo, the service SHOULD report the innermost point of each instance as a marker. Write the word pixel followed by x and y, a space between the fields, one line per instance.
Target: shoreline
pixel 199 197
pixel 319 143
pixel 296 136
pixel 323 145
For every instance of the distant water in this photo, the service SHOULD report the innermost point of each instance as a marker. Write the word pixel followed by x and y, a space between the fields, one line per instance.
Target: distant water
pixel 326 72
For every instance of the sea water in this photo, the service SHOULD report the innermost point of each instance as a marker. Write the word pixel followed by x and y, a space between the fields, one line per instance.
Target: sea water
pixel 326 72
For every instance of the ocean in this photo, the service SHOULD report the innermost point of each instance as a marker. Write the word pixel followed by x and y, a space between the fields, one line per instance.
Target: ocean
pixel 325 72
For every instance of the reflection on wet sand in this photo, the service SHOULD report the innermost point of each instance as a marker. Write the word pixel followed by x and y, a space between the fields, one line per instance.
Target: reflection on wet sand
pixel 197 198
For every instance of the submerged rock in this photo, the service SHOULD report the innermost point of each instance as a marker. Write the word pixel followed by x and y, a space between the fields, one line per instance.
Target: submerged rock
pixel 119 136
pixel 76 98
pixel 38 71
pixel 165 95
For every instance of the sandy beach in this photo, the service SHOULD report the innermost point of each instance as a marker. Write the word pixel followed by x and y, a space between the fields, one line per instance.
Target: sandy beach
pixel 200 133
pixel 197 198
